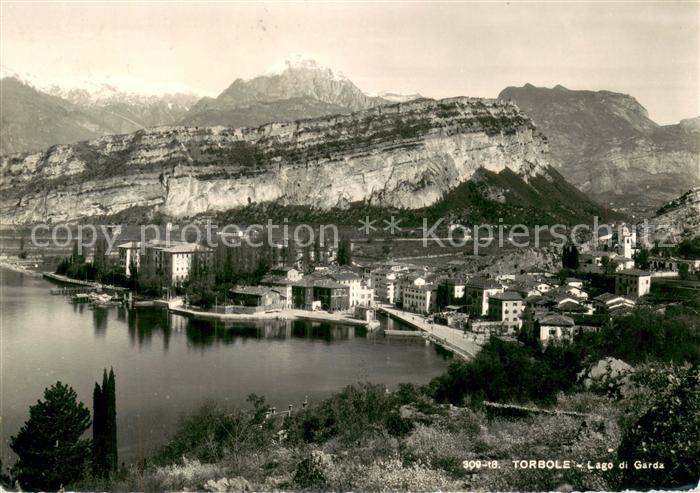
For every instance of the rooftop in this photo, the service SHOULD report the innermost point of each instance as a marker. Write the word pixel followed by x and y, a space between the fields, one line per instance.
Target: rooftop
pixel 557 321
pixel 250 290
pixel 277 280
pixel 130 244
pixel 507 296
pixel 344 276
pixel 186 248
pixel 570 306
pixel 634 272
pixel 483 283
pixel 605 297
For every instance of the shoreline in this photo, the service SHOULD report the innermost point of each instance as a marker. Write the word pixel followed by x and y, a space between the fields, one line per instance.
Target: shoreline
pixel 284 314
pixel 18 268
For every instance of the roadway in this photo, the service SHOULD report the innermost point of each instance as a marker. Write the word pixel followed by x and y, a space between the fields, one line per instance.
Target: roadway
pixel 466 345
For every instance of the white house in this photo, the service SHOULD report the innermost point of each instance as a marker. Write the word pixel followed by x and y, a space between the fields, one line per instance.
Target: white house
pixel 507 307
pixel 360 293
pixel 384 285
pixel 129 255
pixel 556 328
pixel 632 282
pixel 419 298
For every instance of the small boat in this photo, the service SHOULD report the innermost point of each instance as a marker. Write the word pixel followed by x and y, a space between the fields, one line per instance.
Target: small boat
pixel 102 300
pixel 81 298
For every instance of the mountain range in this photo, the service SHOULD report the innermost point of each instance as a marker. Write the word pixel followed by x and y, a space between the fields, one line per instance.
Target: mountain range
pixel 37 114
pixel 605 143
pixel 602 142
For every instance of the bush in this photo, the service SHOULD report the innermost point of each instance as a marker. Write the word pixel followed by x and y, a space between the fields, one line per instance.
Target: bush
pixel 667 433
pixel 503 372
pixel 214 434
pixel 348 415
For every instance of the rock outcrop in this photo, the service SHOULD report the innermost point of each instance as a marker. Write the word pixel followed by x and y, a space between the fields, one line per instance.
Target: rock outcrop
pixel 406 155
pixel 676 221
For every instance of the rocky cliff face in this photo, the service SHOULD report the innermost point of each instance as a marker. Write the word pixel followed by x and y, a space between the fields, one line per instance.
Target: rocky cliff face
pixel 677 220
pixel 605 144
pixel 404 155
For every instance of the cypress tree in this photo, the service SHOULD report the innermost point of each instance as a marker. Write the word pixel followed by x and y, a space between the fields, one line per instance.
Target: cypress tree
pixel 104 429
pixel 112 457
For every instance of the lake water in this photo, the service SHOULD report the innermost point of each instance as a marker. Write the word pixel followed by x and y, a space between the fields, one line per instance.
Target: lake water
pixel 167 366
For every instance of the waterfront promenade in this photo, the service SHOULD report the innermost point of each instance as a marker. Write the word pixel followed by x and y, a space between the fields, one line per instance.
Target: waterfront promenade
pixel 283 314
pixel 455 340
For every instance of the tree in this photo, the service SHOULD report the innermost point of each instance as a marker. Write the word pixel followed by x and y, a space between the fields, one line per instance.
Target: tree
pixel 100 255
pixel 641 259
pixel 609 265
pixel 683 271
pixel 49 445
pixel 344 252
pixel 569 257
pixel 104 429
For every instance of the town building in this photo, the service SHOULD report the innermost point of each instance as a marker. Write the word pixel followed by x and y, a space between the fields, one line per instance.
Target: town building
pixel 556 327
pixel 256 298
pixel 608 302
pixel 173 261
pixel 673 264
pixel 406 281
pixel 419 297
pixel 477 292
pixel 384 285
pixel 574 282
pixel 360 293
pixel 282 285
pixel 484 326
pixel 320 294
pixel 129 256
pixel 451 291
pixel 507 307
pixel 632 282
pixel 286 272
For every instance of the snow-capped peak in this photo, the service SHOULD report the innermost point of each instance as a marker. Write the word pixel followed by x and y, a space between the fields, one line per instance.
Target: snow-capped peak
pixel 97 90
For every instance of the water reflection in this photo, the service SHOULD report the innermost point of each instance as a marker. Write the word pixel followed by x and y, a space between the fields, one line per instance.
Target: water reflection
pixel 143 323
pixel 99 320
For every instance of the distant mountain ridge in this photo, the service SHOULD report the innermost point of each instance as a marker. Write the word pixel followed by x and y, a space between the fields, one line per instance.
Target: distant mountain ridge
pixel 46 114
pixel 303 89
pixel 605 143
pixel 34 119
pixel 31 120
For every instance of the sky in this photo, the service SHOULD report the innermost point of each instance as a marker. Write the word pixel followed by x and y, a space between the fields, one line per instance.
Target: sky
pixel 648 50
